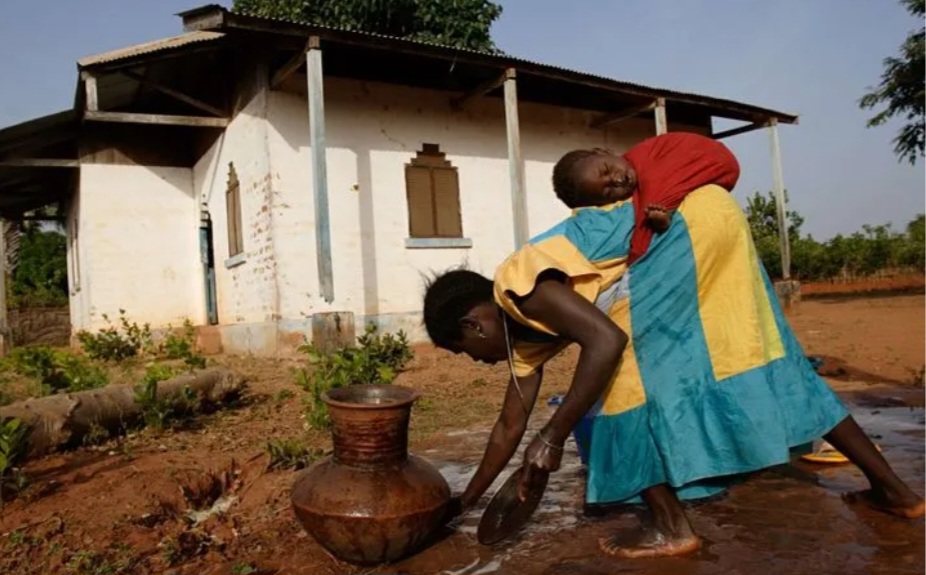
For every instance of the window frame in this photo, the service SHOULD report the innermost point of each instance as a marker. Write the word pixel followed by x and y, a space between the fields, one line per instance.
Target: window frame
pixel 438 232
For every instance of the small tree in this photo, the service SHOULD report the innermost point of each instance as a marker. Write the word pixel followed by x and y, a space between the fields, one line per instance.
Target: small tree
pixel 903 89
pixel 762 215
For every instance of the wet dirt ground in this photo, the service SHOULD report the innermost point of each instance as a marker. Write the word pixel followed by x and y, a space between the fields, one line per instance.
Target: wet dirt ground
pixel 124 508
pixel 790 519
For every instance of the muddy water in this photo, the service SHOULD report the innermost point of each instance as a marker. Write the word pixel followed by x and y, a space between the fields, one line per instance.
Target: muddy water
pixel 786 520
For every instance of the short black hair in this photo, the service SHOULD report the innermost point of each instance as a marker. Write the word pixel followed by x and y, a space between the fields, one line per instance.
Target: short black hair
pixel 566 177
pixel 448 298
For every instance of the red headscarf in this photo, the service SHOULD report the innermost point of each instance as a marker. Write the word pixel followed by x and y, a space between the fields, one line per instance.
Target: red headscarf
pixel 671 166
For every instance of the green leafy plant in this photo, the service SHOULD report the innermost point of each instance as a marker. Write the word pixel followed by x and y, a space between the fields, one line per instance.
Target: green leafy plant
pixel 56 370
pixel 240 568
pixel 376 359
pixel 38 363
pixel 899 94
pixel 865 253
pixel 159 411
pixel 117 343
pixel 183 346
pixel 289 454
pixel 79 373
pixel 13 444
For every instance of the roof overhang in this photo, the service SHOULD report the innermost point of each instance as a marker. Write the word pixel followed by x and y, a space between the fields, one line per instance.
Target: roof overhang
pixel 37 163
pixel 383 58
pixel 375 57
pixel 213 36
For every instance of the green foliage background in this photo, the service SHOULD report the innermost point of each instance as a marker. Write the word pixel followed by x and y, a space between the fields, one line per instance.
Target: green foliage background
pixel 870 250
pixel 40 278
pixel 901 93
pixel 457 23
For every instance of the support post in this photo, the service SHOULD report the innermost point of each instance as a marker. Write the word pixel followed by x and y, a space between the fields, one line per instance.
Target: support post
pixel 4 323
pixel 515 162
pixel 315 79
pixel 780 202
pixel 662 126
pixel 92 101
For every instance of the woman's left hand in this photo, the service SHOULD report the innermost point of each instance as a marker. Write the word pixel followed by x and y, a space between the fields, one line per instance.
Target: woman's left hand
pixel 541 456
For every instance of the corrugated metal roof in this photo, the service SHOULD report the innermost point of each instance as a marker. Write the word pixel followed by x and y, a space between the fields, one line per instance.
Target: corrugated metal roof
pixel 205 24
pixel 10 136
pixel 502 60
pixel 162 45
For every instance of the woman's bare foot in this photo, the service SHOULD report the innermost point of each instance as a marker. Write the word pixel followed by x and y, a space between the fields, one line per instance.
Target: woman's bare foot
pixel 888 492
pixel 909 508
pixel 650 543
pixel 667 533
pixel 658 217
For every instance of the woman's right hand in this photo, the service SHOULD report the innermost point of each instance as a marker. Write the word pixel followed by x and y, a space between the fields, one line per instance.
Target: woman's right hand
pixel 540 457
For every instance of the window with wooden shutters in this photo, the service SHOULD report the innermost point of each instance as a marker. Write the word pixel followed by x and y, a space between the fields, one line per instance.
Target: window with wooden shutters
pixel 233 212
pixel 433 188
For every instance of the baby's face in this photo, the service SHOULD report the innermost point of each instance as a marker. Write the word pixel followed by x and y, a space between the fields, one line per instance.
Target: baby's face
pixel 605 178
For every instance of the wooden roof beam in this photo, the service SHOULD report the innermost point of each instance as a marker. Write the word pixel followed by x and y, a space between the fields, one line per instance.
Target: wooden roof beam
pixel 741 130
pixel 483 89
pixel 624 114
pixel 38 163
pixel 175 94
pixel 293 64
pixel 159 119
pixel 91 99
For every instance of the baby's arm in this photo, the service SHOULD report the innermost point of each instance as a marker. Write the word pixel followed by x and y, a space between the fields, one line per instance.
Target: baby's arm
pixel 658 217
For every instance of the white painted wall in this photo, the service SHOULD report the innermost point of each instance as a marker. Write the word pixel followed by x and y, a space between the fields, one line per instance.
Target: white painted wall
pixel 137 226
pixel 373 130
pixel 245 289
pixel 137 245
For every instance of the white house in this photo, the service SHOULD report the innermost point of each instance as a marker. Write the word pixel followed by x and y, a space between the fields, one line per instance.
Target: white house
pixel 250 174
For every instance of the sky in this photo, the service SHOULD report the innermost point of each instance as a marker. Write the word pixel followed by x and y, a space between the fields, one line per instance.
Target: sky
pixel 813 58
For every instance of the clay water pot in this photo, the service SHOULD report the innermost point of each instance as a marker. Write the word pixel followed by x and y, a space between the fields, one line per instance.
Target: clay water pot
pixel 370 502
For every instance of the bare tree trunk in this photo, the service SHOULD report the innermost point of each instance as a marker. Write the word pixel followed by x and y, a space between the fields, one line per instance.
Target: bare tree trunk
pixel 64 420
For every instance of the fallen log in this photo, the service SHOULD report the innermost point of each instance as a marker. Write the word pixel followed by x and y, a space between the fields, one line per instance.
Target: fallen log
pixel 63 420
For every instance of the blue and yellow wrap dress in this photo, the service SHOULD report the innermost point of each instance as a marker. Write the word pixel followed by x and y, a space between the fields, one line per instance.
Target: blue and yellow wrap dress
pixel 713 383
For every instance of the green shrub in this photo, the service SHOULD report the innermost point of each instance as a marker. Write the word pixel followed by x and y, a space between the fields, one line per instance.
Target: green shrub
pixel 13 444
pixel 79 373
pixel 117 343
pixel 376 359
pixel 159 411
pixel 183 346
pixel 129 340
pixel 56 370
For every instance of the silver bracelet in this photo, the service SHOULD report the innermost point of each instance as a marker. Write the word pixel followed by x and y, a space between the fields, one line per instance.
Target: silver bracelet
pixel 547 443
